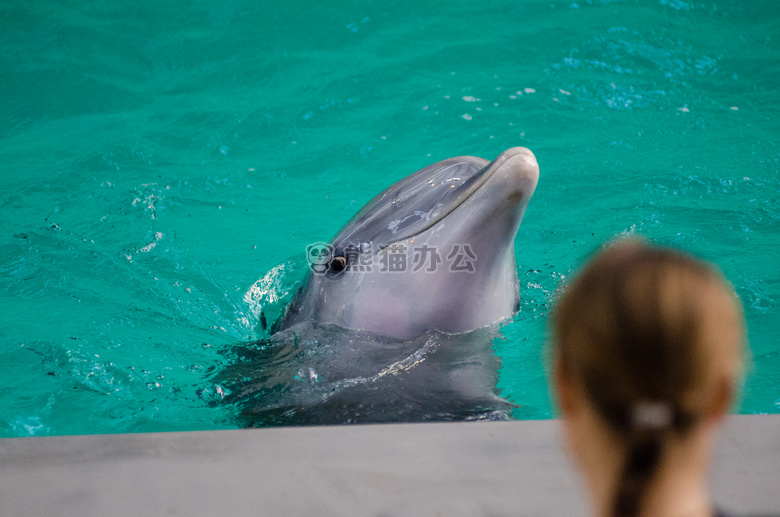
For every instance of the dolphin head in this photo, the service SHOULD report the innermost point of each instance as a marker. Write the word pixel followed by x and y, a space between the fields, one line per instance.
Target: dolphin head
pixel 433 251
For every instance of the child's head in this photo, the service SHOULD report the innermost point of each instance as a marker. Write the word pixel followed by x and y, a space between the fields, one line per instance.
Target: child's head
pixel 653 339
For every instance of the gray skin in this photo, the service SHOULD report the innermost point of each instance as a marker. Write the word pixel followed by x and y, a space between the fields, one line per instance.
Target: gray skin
pixel 460 201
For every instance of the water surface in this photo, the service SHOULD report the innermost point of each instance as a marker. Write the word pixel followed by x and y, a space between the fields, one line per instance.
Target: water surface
pixel 164 166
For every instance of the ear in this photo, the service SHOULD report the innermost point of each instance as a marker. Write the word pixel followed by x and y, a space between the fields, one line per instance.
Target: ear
pixel 723 399
pixel 564 391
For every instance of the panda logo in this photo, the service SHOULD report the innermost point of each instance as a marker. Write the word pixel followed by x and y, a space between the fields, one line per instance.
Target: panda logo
pixel 319 255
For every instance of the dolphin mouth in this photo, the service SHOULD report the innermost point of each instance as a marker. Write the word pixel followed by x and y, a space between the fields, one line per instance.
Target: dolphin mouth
pixel 418 202
pixel 462 194
pixel 440 212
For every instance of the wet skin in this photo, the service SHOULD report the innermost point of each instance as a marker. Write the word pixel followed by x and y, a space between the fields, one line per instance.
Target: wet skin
pixel 454 222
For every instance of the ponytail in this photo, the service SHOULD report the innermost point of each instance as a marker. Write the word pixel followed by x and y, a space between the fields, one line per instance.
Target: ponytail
pixel 646 430
pixel 643 454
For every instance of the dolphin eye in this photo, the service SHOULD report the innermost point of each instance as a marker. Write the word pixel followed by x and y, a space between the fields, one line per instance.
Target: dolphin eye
pixel 339 263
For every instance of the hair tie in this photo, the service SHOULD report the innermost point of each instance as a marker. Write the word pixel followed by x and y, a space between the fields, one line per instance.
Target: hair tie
pixel 651 415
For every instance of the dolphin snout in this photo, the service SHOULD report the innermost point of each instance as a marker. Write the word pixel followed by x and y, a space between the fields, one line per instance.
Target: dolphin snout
pixel 518 168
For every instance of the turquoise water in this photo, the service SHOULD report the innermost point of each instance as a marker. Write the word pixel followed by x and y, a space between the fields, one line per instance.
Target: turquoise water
pixel 164 165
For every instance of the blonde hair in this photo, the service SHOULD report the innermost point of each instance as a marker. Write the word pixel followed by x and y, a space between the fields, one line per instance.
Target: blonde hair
pixel 653 337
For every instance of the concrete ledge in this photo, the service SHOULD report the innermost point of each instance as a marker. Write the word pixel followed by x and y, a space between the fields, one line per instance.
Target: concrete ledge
pixel 470 468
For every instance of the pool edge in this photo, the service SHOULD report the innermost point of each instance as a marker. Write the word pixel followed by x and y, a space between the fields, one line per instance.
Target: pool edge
pixel 464 468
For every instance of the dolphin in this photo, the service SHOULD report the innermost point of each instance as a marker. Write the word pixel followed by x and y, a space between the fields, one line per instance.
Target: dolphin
pixel 434 251
pixel 394 321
